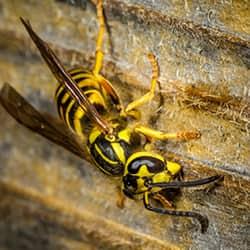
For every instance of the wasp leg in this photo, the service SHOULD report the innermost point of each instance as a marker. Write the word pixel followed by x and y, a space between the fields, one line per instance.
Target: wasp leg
pixel 164 201
pixel 99 40
pixel 99 54
pixel 120 202
pixel 214 185
pixel 159 135
pixel 203 220
pixel 148 96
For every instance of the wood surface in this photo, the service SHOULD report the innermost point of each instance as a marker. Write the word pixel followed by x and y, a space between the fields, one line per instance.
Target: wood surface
pixel 50 199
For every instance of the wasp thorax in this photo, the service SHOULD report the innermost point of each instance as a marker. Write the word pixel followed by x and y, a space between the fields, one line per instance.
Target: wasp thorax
pixel 110 151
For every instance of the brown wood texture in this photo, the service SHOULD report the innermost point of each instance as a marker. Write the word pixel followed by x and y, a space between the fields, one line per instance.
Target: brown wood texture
pixel 50 199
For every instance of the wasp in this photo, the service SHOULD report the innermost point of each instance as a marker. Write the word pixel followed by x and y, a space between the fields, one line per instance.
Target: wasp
pixel 114 133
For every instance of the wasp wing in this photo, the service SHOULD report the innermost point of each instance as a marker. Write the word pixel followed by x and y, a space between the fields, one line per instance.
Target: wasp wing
pixel 44 124
pixel 65 79
pixel 111 92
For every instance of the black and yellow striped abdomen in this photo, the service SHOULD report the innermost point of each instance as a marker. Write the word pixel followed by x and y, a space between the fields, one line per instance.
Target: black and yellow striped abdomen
pixel 69 110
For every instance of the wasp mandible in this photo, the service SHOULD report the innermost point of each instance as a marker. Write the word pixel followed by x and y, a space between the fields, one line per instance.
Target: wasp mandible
pixel 91 108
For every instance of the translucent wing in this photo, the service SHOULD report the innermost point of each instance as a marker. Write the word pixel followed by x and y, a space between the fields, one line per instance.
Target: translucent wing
pixel 64 78
pixel 41 123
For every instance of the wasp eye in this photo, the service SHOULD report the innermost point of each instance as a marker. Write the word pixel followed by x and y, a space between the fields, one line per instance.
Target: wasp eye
pixel 130 185
pixel 130 182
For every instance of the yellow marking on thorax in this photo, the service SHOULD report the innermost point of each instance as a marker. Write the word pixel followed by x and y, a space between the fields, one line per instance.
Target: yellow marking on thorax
pixel 104 157
pixel 119 151
pixel 125 135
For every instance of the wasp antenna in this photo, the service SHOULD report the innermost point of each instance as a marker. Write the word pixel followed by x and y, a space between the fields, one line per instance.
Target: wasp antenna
pixel 203 220
pixel 181 184
pixel 25 22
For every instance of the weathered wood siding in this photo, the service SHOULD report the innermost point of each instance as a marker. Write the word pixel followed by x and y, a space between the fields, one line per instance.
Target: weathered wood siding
pixel 49 199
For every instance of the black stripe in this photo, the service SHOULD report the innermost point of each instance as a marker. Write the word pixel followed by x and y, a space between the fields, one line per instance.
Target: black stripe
pixel 89 87
pixel 106 148
pixel 114 169
pixel 72 115
pixel 61 95
pixel 73 109
pixel 59 99
pixel 127 149
pixel 78 72
pixel 78 80
pixel 65 106
pixel 99 107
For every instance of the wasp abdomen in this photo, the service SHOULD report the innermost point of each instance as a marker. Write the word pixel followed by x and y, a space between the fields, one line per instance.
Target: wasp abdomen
pixel 68 108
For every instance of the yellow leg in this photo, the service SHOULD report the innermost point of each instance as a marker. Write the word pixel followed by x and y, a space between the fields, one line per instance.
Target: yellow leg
pixel 99 59
pixel 163 200
pixel 99 41
pixel 120 202
pixel 155 134
pixel 149 96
